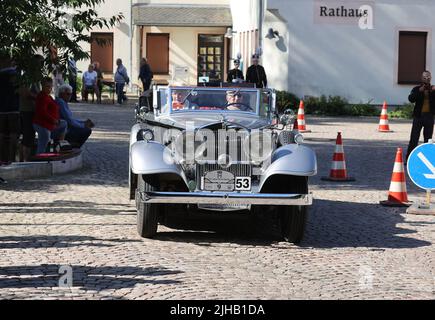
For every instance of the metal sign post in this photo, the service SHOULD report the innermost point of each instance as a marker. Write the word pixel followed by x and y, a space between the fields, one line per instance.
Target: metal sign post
pixel 421 170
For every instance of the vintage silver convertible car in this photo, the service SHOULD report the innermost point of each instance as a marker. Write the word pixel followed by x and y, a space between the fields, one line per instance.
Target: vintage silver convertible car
pixel 208 149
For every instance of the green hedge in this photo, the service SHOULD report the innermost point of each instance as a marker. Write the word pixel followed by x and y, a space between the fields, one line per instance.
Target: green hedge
pixel 336 106
pixel 404 112
pixel 331 106
pixel 286 100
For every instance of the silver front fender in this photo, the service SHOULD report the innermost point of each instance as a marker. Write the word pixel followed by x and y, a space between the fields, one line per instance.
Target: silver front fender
pixel 291 159
pixel 153 158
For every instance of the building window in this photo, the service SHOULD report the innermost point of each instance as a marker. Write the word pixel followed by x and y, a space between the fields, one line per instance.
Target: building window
pixel 412 56
pixel 211 57
pixel 103 53
pixel 158 52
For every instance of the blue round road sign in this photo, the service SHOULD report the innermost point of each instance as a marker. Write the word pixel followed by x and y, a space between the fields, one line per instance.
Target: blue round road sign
pixel 421 166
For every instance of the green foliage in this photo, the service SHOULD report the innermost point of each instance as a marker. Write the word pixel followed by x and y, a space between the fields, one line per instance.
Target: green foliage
pixel 286 100
pixel 363 109
pixel 337 106
pixel 331 105
pixel 42 26
pixel 404 112
pixel 79 83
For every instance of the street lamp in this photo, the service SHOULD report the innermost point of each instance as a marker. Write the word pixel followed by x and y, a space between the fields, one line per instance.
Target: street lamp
pixel 272 34
pixel 229 33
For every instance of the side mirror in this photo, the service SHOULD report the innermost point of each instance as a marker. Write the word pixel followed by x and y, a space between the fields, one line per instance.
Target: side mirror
pixel 287 117
pixel 275 119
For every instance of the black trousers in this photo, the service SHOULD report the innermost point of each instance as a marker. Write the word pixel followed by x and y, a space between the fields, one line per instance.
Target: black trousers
pixel 146 84
pixel 27 129
pixel 425 122
pixel 77 136
pixel 73 83
pixel 9 133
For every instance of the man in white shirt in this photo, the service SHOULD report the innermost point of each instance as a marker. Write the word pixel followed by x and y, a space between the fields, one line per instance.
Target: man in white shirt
pixel 90 83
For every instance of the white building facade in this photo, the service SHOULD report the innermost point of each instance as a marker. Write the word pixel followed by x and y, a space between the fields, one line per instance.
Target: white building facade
pixel 365 51
pixel 182 39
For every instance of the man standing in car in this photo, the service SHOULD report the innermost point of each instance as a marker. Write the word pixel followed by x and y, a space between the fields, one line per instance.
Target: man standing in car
pixel 235 75
pixel 423 96
pixel 256 73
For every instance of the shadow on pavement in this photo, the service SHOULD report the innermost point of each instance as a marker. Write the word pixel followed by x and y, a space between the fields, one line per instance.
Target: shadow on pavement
pixel 60 206
pixel 86 278
pixel 337 224
pixel 331 224
pixel 42 241
pixel 210 229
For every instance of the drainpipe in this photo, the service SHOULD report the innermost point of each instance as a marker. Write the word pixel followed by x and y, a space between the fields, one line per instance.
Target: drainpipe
pixel 131 43
pixel 260 23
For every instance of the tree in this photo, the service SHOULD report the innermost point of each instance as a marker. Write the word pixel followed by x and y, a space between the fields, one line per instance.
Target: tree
pixel 54 28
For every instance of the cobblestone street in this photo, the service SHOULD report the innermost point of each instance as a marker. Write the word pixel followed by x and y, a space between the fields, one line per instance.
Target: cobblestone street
pixel 353 249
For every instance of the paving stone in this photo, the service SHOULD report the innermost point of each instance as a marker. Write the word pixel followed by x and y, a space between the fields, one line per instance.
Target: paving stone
pixel 353 249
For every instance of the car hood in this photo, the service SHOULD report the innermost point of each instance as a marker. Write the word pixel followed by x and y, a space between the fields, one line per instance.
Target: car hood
pixel 203 119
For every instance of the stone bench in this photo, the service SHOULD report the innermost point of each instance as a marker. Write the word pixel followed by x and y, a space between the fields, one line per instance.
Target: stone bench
pixel 39 167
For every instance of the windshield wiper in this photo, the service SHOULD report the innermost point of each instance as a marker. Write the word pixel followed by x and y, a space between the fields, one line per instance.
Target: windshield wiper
pixel 188 95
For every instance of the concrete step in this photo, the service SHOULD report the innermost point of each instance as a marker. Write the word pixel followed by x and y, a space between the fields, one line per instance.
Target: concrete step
pixel 30 170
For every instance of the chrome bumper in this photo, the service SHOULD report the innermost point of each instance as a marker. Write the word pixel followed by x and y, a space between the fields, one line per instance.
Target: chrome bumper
pixel 231 198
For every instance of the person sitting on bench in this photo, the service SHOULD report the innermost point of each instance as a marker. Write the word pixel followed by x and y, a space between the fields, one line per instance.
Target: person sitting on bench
pixel 78 131
pixel 90 84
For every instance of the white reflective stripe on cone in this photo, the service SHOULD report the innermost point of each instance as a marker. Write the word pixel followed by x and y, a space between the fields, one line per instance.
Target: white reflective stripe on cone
pixel 339 148
pixel 338 165
pixel 383 121
pixel 398 167
pixel 397 187
pixel 384 112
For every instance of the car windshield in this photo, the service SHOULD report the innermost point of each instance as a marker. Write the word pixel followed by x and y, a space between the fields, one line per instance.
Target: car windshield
pixel 221 99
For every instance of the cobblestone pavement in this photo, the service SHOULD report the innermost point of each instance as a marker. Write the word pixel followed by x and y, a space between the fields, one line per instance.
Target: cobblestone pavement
pixel 353 247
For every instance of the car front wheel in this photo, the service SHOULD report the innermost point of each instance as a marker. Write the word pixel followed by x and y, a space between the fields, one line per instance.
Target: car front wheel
pixel 293 220
pixel 147 213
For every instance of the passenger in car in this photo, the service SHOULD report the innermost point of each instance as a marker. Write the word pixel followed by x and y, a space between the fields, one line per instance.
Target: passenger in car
pixel 179 100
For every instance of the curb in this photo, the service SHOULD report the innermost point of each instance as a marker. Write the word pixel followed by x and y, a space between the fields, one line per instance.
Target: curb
pixel 40 169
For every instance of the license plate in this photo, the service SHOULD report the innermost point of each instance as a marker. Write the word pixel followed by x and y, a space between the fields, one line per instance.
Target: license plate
pixel 218 180
pixel 221 180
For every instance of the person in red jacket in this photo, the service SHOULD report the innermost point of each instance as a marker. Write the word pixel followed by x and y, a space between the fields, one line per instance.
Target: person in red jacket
pixel 46 121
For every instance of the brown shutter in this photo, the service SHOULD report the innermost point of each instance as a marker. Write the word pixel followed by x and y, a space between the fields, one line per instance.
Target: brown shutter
pixel 158 52
pixel 412 56
pixel 102 53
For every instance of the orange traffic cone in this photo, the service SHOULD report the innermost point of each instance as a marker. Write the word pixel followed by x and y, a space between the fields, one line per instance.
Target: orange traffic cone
pixel 301 118
pixel 338 168
pixel 383 121
pixel 397 195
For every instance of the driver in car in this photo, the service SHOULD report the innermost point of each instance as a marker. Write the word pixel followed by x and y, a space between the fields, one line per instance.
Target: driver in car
pixel 235 101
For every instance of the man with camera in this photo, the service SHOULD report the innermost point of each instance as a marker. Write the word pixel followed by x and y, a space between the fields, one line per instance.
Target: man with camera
pixel 423 96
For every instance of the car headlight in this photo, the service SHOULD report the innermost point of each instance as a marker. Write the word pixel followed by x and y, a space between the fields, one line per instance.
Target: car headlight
pixel 299 138
pixel 145 135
